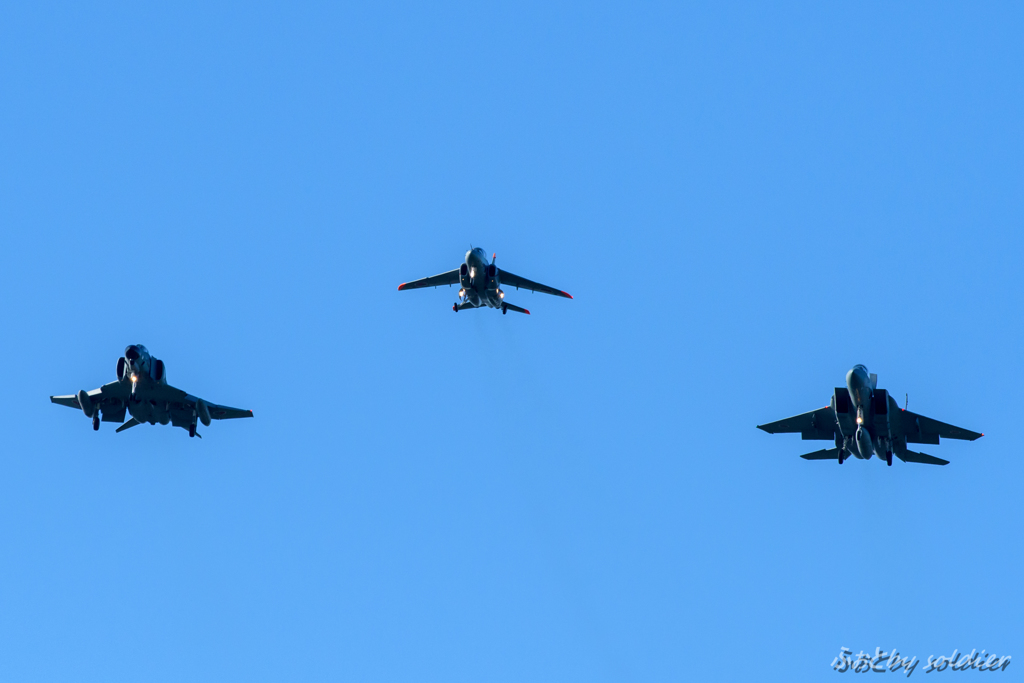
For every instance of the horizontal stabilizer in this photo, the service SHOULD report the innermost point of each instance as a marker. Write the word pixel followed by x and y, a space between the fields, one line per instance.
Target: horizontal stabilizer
pixel 827 454
pixel 513 307
pixel 127 425
pixel 924 458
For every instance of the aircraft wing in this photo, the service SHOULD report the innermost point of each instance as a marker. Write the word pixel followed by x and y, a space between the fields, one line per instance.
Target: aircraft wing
pixel 70 401
pixel 818 424
pixel 188 403
pixel 225 413
pixel 182 405
pixel 108 393
pixel 449 278
pixel 921 429
pixel 513 280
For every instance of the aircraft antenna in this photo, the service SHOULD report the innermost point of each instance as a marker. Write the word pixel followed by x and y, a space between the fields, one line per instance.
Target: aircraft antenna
pixel 906 403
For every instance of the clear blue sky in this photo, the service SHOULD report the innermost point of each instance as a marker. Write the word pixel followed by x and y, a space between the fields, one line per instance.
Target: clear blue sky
pixel 744 201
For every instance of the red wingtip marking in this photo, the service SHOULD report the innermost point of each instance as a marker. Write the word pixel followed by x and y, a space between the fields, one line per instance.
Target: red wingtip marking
pixel 400 286
pixel 567 294
pixel 525 311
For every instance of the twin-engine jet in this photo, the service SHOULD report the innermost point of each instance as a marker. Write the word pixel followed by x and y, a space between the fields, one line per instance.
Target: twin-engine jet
pixel 864 421
pixel 481 284
pixel 142 390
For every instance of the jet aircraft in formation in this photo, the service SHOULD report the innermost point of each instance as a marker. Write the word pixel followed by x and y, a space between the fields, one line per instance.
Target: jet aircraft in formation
pixel 861 419
pixel 865 420
pixel 141 390
pixel 481 283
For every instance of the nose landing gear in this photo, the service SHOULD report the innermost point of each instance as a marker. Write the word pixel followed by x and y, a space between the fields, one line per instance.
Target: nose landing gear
pixel 504 309
pixel 888 458
pixel 841 454
pixel 96 421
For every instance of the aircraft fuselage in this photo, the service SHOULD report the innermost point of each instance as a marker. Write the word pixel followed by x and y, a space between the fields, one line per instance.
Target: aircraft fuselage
pixel 864 420
pixel 864 426
pixel 144 373
pixel 480 280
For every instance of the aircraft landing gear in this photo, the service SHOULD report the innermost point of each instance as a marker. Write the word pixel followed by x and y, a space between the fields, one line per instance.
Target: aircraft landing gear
pixel 192 429
pixel 888 458
pixel 96 421
pixel 841 453
pixel 504 309
pixel 455 307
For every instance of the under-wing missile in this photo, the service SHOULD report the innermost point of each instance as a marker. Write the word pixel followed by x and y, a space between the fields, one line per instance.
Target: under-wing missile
pixel 204 412
pixel 86 403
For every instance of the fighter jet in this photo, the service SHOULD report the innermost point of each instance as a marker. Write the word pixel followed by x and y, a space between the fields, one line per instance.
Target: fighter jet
pixel 865 420
pixel 142 389
pixel 481 283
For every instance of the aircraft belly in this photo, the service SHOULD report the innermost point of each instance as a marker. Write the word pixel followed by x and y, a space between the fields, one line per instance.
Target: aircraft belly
pixel 180 418
pixel 148 411
pixel 113 412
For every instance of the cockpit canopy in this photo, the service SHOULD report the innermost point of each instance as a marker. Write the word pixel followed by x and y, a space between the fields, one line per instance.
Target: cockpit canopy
pixel 135 351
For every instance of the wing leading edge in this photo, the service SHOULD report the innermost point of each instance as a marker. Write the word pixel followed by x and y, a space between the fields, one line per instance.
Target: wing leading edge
pixel 817 425
pixel 111 399
pixel 921 429
pixel 226 413
pixel 449 278
pixel 513 280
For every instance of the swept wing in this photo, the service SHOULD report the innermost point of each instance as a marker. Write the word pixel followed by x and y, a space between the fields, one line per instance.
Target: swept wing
pixel 512 280
pixel 817 424
pixel 183 404
pixel 111 397
pixel 921 429
pixel 449 278
pixel 218 412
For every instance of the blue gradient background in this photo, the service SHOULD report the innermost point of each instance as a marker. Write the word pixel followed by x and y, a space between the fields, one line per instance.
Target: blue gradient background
pixel 744 201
